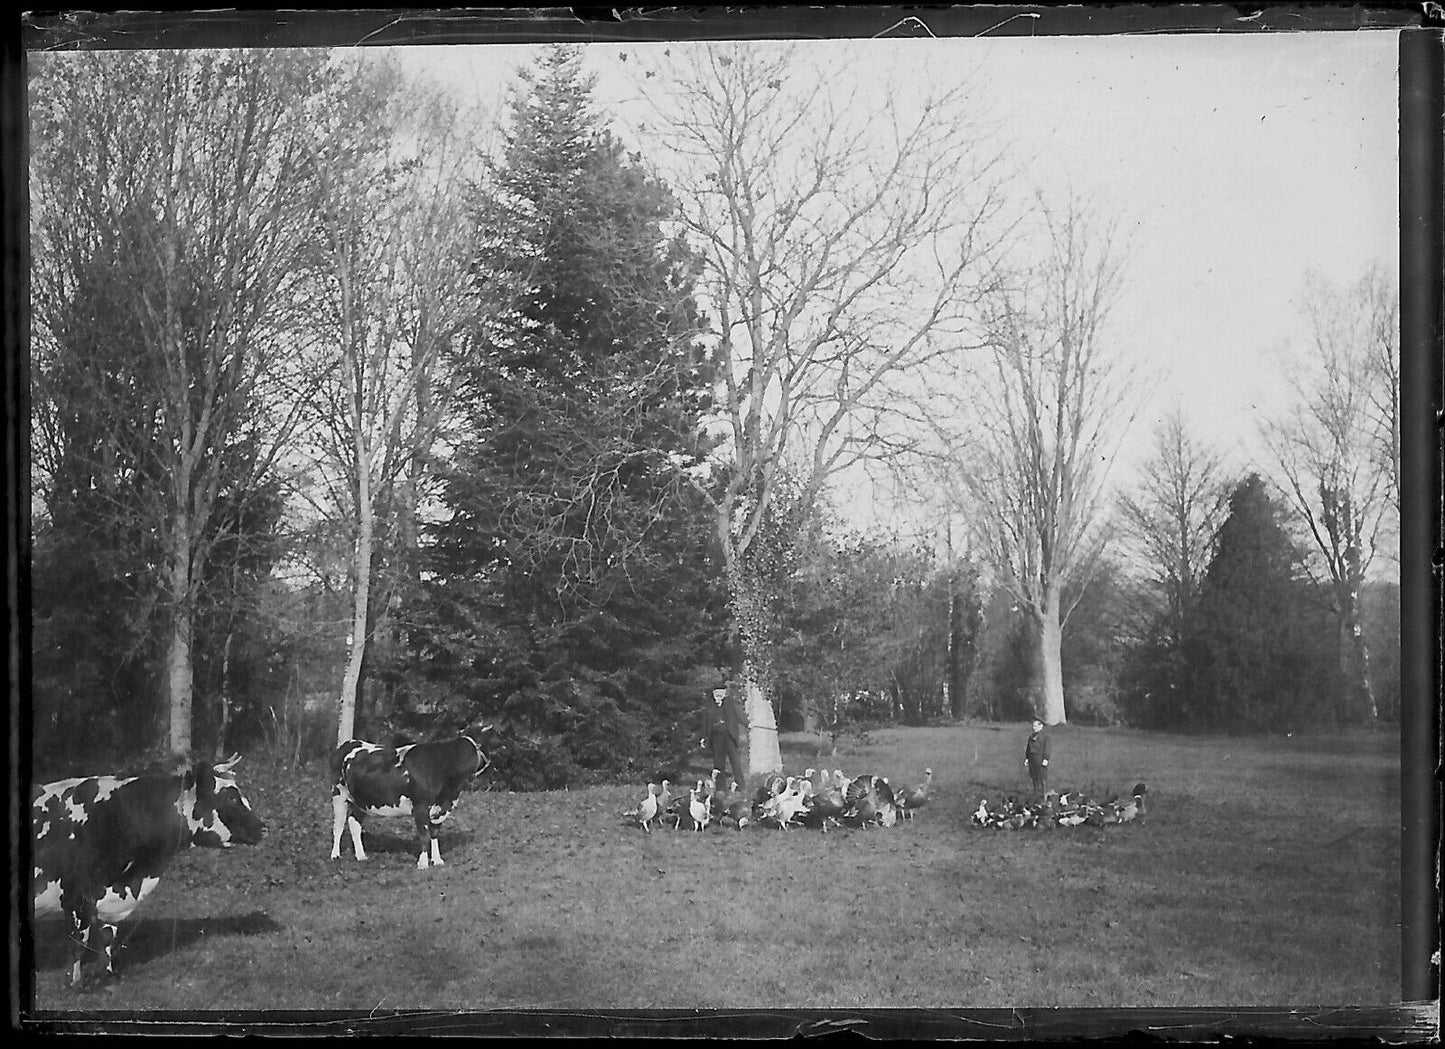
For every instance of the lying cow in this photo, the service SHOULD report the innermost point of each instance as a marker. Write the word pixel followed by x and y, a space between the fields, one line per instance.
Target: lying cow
pixel 101 843
pixel 421 779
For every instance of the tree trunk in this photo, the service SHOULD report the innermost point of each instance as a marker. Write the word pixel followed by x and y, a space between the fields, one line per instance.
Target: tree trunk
pixel 1357 694
pixel 361 593
pixel 346 721
pixel 178 657
pixel 763 752
pixel 750 623
pixel 223 719
pixel 1049 637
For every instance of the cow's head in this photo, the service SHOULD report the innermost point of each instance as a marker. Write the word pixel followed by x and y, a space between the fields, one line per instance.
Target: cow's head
pixel 473 735
pixel 221 816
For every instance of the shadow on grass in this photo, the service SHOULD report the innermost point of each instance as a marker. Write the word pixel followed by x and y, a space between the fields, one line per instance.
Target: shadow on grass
pixel 144 940
pixel 395 842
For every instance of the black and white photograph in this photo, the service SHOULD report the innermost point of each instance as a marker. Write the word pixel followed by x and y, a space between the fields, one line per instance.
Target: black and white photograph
pixel 902 523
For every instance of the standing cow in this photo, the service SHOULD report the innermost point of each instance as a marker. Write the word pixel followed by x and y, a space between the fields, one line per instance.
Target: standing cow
pixel 101 843
pixel 421 779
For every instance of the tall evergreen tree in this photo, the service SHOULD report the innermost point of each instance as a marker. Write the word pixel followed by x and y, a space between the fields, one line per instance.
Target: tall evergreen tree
pixel 571 572
pixel 1253 656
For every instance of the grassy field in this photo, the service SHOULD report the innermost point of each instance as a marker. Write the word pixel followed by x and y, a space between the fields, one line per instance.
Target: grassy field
pixel 1265 873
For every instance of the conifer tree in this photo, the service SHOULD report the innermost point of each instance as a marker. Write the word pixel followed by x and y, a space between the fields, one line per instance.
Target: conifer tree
pixel 570 568
pixel 1253 658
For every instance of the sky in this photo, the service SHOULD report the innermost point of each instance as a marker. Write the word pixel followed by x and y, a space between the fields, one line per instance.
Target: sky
pixel 1234 163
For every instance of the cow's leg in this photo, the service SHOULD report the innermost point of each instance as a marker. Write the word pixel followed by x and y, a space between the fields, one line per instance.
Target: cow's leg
pixel 426 844
pixel 82 921
pixel 79 933
pixel 338 821
pixel 101 939
pixel 354 825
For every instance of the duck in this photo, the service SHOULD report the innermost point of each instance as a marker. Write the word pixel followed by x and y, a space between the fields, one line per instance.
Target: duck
pixel 1134 807
pixel 911 799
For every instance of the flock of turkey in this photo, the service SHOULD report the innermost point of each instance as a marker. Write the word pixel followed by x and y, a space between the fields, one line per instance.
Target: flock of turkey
pixel 817 798
pixel 1072 808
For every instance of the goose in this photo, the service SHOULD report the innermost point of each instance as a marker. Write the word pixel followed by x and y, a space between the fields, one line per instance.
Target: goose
pixel 664 799
pixel 981 814
pixel 911 799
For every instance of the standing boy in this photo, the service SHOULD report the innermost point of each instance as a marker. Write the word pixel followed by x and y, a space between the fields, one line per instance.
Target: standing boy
pixel 1036 756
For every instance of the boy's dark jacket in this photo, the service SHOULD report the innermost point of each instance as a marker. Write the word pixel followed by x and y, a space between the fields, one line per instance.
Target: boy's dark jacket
pixel 1038 746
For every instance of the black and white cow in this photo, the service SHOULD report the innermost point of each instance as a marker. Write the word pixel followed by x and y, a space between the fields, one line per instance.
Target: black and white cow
pixel 101 843
pixel 420 779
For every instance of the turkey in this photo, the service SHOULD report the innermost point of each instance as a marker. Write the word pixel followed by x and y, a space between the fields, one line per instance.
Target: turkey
pixel 774 783
pixel 911 799
pixel 697 808
pixel 784 807
pixel 680 808
pixel 863 801
pixel 825 807
pixel 647 811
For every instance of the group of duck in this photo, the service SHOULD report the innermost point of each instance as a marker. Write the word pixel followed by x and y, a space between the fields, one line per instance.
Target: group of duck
pixel 1072 808
pixel 818 798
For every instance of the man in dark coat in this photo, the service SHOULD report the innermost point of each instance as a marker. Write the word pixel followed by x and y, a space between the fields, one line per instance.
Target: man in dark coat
pixel 723 722
pixel 1036 756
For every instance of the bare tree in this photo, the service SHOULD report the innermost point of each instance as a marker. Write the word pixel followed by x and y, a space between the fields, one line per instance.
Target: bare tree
pixel 1050 417
pixel 176 174
pixel 395 291
pixel 1172 515
pixel 1336 450
pixel 1380 303
pixel 843 235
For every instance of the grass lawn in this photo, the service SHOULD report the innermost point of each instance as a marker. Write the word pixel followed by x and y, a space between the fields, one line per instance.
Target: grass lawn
pixel 1265 873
